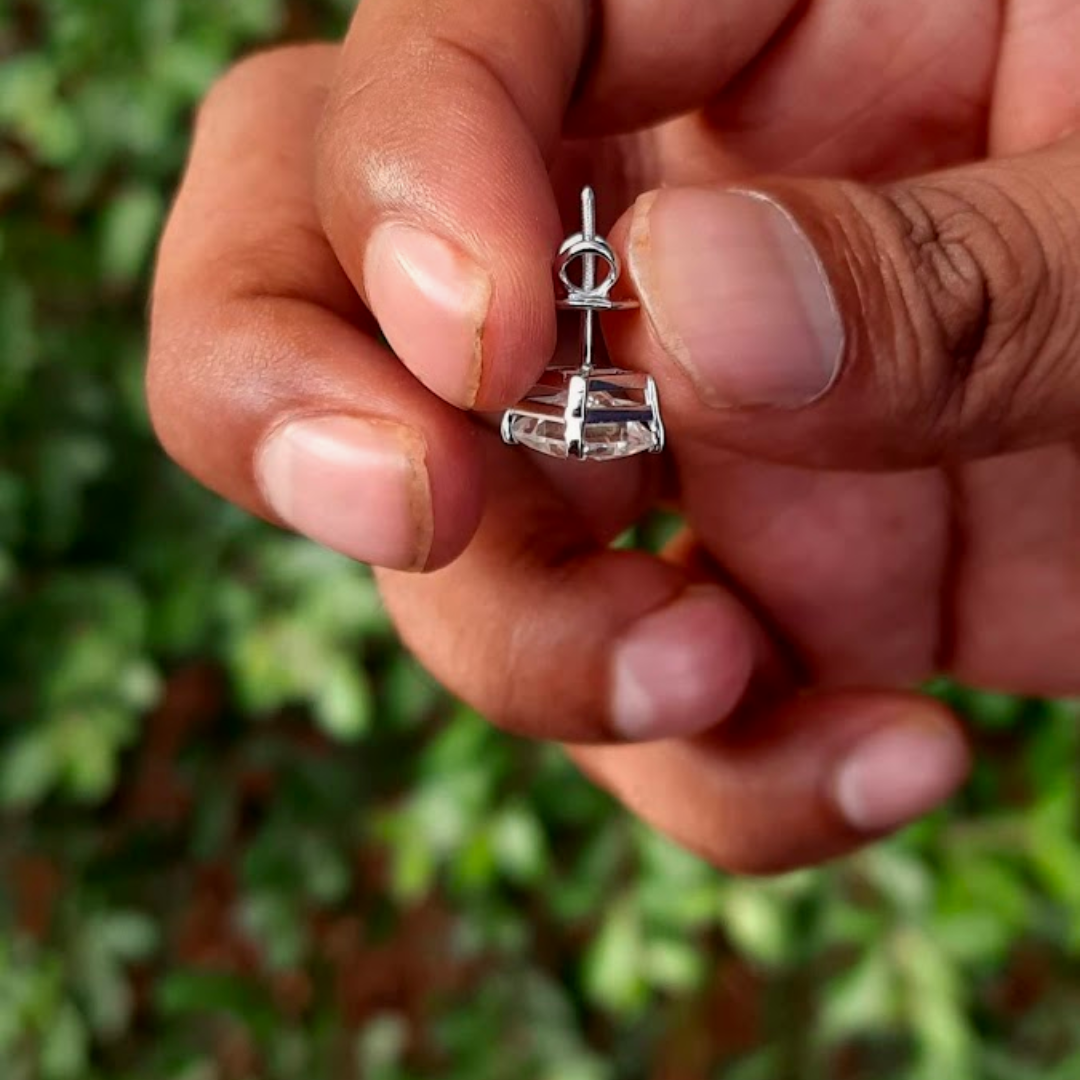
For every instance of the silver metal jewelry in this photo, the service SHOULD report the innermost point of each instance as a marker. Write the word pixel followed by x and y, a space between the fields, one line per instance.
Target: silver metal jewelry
pixel 588 413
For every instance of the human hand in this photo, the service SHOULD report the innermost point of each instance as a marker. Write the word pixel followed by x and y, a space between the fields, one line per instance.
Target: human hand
pixel 838 392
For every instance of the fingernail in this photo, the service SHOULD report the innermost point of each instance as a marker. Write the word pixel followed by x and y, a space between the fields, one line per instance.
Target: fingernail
pixel 431 301
pixel 681 669
pixel 900 773
pixel 737 296
pixel 357 486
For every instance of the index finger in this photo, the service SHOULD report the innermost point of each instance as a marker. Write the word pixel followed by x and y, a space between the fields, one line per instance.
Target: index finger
pixel 434 151
pixel 433 186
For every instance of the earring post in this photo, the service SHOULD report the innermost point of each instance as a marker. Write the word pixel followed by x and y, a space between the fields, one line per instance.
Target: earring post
pixel 588 276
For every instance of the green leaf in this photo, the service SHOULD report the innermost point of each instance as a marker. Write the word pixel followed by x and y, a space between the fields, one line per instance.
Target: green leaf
pixel 518 845
pixel 343 703
pixel 381 1045
pixel 31 106
pixel 129 229
pixel 65 1046
pixel 277 924
pixel 129 935
pixel 862 1000
pixel 412 869
pixel 756 921
pixel 675 965
pixel 614 966
pixel 29 769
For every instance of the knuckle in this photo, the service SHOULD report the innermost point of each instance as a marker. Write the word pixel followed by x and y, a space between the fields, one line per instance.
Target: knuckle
pixel 288 260
pixel 287 67
pixel 973 300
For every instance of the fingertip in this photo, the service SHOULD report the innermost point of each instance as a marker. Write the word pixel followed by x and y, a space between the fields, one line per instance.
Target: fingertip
pixel 368 488
pixel 353 484
pixel 680 670
pixel 811 780
pixel 705 257
pixel 432 303
pixel 900 770
pixel 446 227
pixel 475 323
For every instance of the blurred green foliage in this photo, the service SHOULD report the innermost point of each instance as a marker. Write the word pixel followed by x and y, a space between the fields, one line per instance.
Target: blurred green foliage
pixel 244 836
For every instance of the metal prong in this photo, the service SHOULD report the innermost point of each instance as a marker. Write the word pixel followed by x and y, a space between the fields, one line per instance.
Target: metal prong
pixel 506 428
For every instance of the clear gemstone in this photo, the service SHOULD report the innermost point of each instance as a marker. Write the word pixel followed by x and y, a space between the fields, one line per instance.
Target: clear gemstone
pixel 619 418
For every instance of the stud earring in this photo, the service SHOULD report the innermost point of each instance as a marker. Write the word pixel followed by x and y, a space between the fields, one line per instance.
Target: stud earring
pixel 588 413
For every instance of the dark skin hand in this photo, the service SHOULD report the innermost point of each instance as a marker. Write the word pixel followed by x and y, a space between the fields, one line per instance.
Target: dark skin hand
pixel 871 382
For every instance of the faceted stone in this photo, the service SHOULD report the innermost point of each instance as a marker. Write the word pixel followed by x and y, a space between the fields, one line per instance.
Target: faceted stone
pixel 604 416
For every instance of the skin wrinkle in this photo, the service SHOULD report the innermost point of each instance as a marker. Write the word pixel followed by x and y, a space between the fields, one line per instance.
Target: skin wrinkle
pixel 954 316
pixel 954 290
pixel 894 316
pixel 985 330
pixel 298 279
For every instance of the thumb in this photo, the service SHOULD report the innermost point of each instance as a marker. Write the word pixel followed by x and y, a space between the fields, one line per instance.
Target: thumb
pixel 833 324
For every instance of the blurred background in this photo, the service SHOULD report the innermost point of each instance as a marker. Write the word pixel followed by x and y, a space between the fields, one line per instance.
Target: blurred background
pixel 243 837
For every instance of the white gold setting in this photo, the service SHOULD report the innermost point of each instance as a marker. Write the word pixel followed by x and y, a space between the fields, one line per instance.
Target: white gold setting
pixel 588 413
